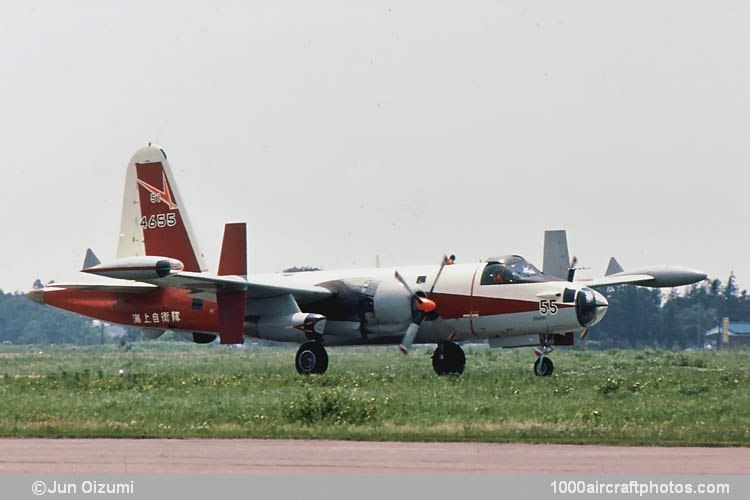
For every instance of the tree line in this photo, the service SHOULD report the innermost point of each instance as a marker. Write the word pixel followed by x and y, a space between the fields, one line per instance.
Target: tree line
pixel 25 322
pixel 644 317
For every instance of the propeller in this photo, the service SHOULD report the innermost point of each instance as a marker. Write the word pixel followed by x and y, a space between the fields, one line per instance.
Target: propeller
pixel 422 306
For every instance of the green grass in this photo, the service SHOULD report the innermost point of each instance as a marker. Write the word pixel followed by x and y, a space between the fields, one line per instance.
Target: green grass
pixel 182 390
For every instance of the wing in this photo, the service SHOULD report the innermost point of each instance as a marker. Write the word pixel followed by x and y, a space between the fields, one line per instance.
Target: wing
pixel 626 279
pixel 656 277
pixel 206 286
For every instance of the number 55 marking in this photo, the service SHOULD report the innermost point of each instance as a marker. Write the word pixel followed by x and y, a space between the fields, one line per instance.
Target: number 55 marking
pixel 547 307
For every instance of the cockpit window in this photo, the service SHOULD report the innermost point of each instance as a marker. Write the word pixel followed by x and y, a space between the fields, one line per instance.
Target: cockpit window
pixel 510 269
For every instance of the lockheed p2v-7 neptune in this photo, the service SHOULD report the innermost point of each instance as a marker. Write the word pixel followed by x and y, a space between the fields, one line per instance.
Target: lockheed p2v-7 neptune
pixel 505 299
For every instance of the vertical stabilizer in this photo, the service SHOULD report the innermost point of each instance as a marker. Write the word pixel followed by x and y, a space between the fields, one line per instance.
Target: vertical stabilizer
pixel 614 267
pixel 556 258
pixel 154 220
pixel 90 260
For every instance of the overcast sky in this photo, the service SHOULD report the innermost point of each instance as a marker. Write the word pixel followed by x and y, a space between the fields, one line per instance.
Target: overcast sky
pixel 344 130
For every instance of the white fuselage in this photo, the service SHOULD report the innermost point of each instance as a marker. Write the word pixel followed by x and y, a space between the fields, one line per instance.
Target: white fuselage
pixel 466 308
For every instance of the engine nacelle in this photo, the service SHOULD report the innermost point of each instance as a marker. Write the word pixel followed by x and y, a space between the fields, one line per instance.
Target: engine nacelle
pixel 379 307
pixel 298 327
pixel 137 268
pixel 382 307
pixel 392 309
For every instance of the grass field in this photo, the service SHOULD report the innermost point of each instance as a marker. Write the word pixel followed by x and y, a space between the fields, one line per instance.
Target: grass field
pixel 182 390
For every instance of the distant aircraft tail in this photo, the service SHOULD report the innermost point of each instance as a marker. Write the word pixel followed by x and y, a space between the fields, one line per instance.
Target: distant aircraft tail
pixel 613 267
pixel 90 260
pixel 556 257
pixel 154 220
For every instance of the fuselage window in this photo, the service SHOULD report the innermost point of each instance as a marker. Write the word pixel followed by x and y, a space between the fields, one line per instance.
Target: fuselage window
pixel 421 279
pixel 197 304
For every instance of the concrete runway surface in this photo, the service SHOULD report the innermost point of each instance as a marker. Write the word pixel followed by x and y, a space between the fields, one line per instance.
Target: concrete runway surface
pixel 259 456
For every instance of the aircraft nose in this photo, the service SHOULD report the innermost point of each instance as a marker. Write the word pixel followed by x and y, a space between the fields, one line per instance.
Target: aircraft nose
pixel 591 306
pixel 601 304
pixel 36 295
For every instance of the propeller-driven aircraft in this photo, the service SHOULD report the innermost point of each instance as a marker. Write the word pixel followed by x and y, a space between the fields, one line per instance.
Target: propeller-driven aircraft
pixel 168 287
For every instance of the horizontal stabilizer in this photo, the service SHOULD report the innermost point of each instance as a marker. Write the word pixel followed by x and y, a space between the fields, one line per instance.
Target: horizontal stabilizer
pixel 90 260
pixel 614 267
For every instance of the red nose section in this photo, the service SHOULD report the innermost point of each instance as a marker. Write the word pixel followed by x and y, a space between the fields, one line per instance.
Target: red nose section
pixel 426 305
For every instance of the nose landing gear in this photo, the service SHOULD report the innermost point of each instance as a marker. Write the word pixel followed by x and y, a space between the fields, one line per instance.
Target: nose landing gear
pixel 543 366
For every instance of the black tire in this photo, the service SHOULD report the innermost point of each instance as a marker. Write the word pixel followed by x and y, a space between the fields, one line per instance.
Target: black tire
pixel 448 358
pixel 543 367
pixel 311 358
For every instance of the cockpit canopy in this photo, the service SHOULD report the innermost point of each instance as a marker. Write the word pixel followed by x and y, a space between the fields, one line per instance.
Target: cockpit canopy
pixel 510 269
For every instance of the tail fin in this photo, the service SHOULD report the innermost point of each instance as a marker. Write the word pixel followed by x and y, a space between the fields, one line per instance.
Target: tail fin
pixel 614 267
pixel 154 220
pixel 90 260
pixel 556 257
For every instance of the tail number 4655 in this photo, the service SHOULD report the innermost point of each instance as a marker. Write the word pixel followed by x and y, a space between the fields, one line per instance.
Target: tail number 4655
pixel 547 307
pixel 159 220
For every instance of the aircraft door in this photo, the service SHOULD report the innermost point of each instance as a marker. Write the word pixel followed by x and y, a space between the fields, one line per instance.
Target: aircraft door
pixel 489 305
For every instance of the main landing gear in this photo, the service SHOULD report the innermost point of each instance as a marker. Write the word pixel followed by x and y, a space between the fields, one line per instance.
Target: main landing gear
pixel 543 366
pixel 448 358
pixel 311 358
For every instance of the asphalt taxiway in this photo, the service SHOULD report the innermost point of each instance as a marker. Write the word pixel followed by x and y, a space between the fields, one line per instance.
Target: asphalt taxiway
pixel 259 456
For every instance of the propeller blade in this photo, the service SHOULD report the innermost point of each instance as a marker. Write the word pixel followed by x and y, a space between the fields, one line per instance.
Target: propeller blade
pixel 437 277
pixel 403 282
pixel 422 305
pixel 584 334
pixel 409 337
pixel 572 269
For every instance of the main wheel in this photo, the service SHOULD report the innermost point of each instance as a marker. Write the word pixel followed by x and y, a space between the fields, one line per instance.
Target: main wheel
pixel 543 366
pixel 311 358
pixel 448 358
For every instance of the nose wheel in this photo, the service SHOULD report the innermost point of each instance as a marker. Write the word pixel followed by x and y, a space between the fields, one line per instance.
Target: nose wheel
pixel 543 366
pixel 448 358
pixel 311 358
